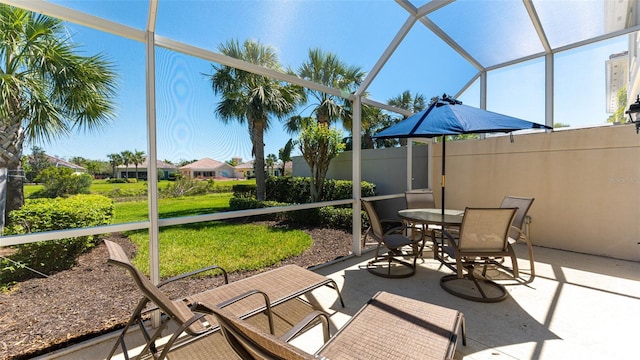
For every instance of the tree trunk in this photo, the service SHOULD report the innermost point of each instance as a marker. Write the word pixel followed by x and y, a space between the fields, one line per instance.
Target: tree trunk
pixel 258 147
pixel 11 141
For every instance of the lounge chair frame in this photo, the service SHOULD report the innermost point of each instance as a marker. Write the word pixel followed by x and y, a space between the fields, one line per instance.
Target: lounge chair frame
pixel 258 294
pixel 420 331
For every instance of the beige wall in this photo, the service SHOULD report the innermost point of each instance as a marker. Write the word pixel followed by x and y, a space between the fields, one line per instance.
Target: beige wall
pixel 586 184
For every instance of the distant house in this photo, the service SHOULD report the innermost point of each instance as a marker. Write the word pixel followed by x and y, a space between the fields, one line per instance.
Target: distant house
pixel 245 170
pixel 207 168
pixel 57 162
pixel 164 170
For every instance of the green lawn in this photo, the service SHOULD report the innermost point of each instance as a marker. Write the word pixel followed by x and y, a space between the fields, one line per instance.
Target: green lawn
pixel 189 247
pixel 233 246
pixel 123 189
pixel 173 207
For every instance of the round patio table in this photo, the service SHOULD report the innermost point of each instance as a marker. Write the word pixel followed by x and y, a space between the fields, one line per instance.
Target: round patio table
pixel 432 216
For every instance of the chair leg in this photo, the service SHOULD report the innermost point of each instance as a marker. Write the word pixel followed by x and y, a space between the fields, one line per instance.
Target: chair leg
pixel 531 261
pixel 403 268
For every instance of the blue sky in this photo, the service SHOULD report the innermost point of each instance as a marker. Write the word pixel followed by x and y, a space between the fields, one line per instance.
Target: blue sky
pixel 358 31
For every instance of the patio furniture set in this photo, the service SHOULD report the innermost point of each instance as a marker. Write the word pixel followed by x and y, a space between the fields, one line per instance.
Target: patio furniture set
pixel 257 317
pixel 468 242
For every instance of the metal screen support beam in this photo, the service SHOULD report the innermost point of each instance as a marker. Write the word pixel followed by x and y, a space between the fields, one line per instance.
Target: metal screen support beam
pixel 483 94
pixel 356 243
pixel 152 156
pixel 409 163
pixel 548 89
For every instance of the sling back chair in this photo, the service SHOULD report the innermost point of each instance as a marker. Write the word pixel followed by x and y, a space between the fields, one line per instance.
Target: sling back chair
pixel 389 326
pixel 517 232
pixel 420 199
pixel 393 263
pixel 258 294
pixel 483 238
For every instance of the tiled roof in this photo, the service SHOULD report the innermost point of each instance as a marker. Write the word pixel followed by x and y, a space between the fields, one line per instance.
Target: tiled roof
pixel 204 163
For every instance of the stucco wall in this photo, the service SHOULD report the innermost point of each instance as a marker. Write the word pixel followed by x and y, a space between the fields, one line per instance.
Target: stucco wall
pixel 586 184
pixel 387 168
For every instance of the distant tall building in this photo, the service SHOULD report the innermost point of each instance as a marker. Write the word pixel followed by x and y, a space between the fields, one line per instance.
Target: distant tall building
pixel 617 78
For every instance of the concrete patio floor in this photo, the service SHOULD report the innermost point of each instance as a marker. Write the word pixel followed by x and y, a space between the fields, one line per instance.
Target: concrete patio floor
pixel 578 307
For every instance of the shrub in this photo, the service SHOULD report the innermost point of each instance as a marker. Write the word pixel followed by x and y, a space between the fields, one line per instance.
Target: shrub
pixel 185 186
pixel 244 191
pixel 61 181
pixel 54 214
pixel 338 218
pixel 297 190
pixel 117 181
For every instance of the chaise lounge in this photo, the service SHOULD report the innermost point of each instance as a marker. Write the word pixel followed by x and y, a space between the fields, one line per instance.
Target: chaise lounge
pixel 254 295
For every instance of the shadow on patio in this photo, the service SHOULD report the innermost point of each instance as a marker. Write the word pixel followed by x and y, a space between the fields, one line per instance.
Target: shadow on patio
pixel 579 306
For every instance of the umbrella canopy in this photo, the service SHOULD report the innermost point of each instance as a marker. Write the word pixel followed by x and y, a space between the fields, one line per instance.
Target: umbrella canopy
pixel 448 116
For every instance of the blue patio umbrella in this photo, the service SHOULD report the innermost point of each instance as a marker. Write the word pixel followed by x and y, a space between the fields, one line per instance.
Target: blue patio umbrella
pixel 448 116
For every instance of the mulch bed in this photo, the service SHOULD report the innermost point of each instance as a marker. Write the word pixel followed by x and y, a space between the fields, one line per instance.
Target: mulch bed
pixel 93 298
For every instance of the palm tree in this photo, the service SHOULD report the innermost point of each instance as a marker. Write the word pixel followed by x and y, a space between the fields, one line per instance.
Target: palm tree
pixel 47 91
pixel 271 161
pixel 324 68
pixel 405 101
pixel 284 154
pixel 137 159
pixel 115 160
pixel 327 69
pixel 127 159
pixel 251 98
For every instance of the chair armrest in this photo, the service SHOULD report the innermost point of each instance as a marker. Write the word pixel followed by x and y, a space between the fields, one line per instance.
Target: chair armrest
pixel 522 234
pixel 450 239
pixel 304 323
pixel 213 267
pixel 199 307
pixel 396 229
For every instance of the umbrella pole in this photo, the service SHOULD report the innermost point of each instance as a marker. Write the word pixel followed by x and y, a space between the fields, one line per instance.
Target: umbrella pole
pixel 442 183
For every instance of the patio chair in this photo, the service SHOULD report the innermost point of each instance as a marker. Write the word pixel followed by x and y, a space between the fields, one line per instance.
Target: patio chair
pixel 388 326
pixel 483 238
pixel 517 232
pixel 420 199
pixel 259 294
pixel 393 263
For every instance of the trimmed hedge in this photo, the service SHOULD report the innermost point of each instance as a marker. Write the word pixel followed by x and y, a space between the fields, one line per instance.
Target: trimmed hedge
pixel 287 190
pixel 297 190
pixel 39 215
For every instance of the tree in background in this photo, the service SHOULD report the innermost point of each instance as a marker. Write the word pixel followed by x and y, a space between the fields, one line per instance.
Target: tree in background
pixel 319 144
pixel 115 160
pixel 183 162
pixel 62 181
pixel 250 98
pixel 47 89
pixel 38 161
pixel 284 154
pixel 127 159
pixel 232 162
pixel 619 116
pixel 137 158
pixel 271 161
pixel 327 69
pixel 414 103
